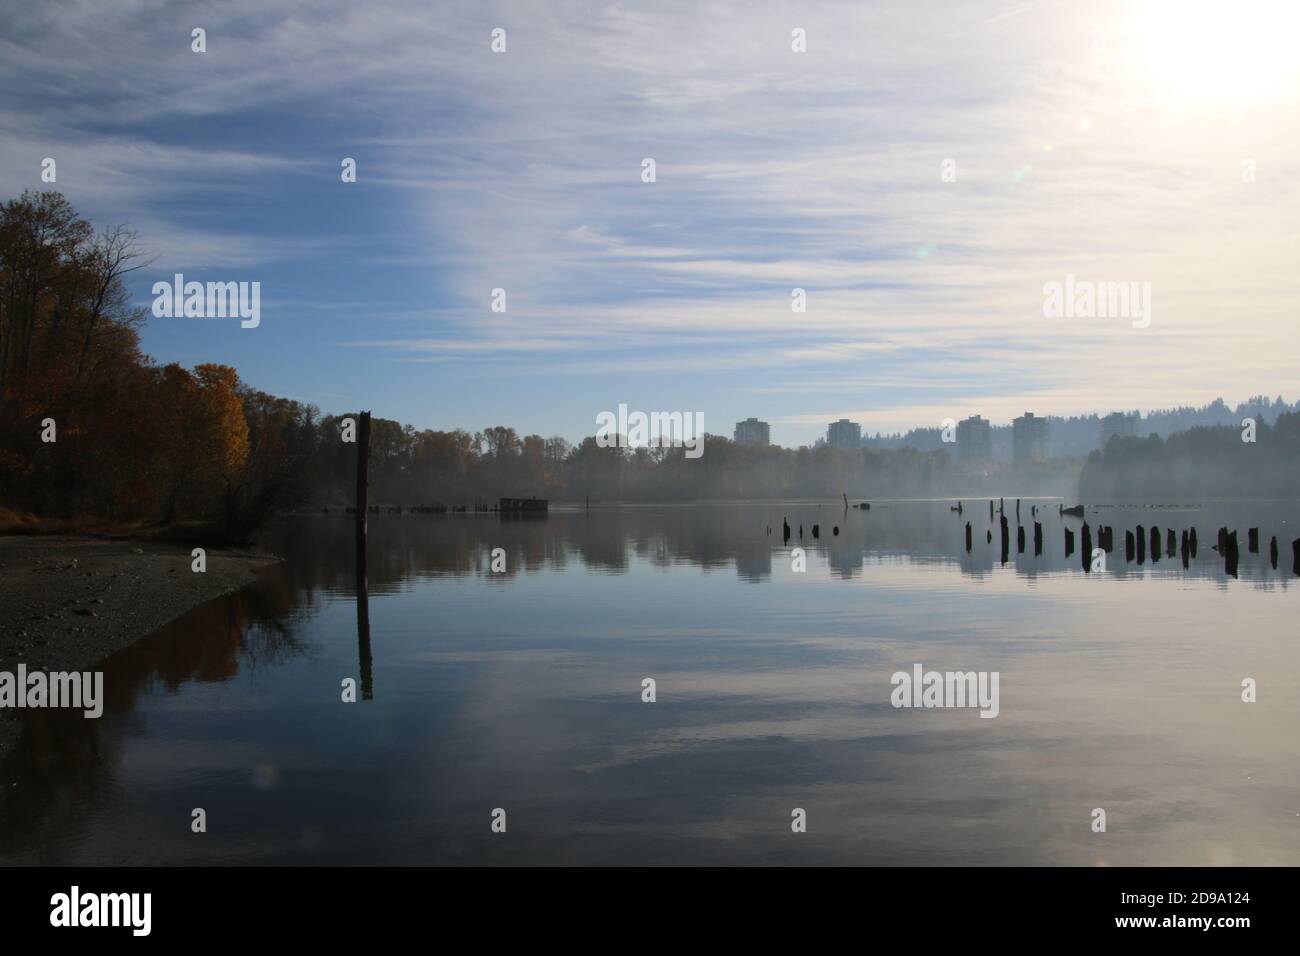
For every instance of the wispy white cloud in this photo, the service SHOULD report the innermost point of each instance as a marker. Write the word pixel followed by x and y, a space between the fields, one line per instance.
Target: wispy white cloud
pixel 820 170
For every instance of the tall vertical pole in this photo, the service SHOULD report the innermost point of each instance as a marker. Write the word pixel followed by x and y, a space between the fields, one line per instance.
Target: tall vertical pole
pixel 363 487
pixel 363 595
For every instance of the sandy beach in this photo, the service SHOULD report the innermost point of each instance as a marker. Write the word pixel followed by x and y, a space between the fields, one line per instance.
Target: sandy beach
pixel 68 601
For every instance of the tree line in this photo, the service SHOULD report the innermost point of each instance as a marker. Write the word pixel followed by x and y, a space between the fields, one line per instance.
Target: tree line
pixel 94 432
pixel 1224 461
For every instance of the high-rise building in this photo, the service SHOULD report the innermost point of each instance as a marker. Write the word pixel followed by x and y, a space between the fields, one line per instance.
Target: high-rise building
pixel 1029 438
pixel 753 432
pixel 974 439
pixel 1118 425
pixel 844 434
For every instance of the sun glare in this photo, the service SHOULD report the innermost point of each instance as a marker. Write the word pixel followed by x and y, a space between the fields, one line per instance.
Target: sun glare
pixel 1236 53
pixel 1221 52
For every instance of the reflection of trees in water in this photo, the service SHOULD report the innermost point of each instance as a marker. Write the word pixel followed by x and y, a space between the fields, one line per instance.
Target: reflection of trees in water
pixel 64 760
pixel 318 550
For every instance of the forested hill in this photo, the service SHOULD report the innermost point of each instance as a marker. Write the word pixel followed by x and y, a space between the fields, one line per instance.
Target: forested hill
pixel 1200 462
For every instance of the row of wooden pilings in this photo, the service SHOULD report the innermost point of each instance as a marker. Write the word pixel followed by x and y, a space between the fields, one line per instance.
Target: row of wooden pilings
pixel 1136 542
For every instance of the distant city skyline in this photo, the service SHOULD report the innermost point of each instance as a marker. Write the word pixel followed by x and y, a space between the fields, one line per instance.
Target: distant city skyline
pixel 1031 436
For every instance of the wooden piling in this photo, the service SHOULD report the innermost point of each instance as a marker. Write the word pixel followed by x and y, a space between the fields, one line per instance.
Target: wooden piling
pixel 363 490
pixel 364 662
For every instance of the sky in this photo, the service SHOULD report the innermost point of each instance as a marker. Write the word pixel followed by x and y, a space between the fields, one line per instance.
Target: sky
pixel 923 171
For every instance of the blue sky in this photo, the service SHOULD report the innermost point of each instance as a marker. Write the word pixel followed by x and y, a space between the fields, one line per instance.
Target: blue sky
pixel 1101 140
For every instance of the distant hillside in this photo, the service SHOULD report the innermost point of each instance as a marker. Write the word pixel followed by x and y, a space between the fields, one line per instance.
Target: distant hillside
pixel 1206 461
pixel 1077 435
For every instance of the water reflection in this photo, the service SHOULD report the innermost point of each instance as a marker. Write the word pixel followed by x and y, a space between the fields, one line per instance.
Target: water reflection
pixel 746 537
pixel 64 761
pixel 521 689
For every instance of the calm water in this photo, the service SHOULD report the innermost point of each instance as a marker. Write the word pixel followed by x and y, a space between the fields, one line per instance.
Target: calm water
pixel 522 690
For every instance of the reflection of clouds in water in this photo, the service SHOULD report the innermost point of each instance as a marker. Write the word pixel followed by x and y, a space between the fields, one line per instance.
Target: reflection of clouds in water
pixel 265 776
pixel 1116 692
pixel 312 840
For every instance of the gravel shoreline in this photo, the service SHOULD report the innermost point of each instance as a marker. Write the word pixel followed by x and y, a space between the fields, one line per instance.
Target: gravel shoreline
pixel 69 601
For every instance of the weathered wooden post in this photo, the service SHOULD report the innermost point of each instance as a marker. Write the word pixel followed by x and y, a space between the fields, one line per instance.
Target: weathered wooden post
pixel 1272 552
pixel 1155 543
pixel 363 490
pixel 1085 552
pixel 363 589
pixel 1128 545
pixel 968 537
pixel 1252 540
pixel 1005 539
pixel 1038 538
pixel 364 659
pixel 1141 536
